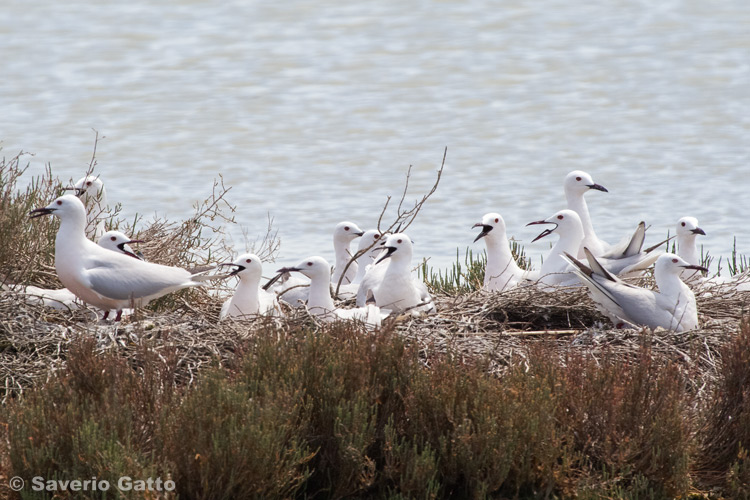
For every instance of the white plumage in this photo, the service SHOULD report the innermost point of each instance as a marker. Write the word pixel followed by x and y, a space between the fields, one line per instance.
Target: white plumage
pixel 320 303
pixel 100 277
pixel 502 271
pixel 672 307
pixel 249 299
pixel 556 269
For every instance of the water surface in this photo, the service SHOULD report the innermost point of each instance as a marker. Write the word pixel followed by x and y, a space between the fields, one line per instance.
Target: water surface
pixel 313 110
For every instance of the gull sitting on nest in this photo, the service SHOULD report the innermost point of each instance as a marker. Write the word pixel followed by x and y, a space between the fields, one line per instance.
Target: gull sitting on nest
pixel 672 307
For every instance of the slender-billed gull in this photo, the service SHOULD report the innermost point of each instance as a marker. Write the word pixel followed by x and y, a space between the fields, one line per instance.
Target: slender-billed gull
pixel 501 272
pixel 102 278
pixel 119 242
pixel 320 303
pixel 248 298
pixel 372 279
pixel 369 239
pixel 343 234
pixel 64 299
pixel 557 270
pixel 399 291
pixel 687 232
pixel 90 189
pixel 576 184
pixel 293 289
pixel 672 307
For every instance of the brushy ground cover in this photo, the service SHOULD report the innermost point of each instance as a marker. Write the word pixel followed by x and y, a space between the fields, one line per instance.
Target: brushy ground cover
pixel 521 394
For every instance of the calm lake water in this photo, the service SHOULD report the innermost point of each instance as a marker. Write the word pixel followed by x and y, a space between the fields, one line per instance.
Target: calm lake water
pixel 313 110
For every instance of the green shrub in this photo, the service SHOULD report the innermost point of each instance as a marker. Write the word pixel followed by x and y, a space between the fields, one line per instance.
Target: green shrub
pixel 97 418
pixel 226 440
pixel 336 412
pixel 726 431
pixel 628 419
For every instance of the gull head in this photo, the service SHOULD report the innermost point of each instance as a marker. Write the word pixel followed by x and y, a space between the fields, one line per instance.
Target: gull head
pixel 669 263
pixel 246 265
pixel 579 182
pixel 490 222
pixel 346 231
pixel 368 238
pixel 119 242
pixel 565 222
pixel 88 188
pixel 688 226
pixel 396 246
pixel 313 267
pixel 65 206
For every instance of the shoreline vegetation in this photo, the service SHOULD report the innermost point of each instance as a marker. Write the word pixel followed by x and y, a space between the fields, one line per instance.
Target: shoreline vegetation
pixel 519 394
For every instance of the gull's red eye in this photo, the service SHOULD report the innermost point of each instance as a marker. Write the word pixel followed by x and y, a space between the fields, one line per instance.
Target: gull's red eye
pixel 376 236
pixel 675 261
pixel 683 224
pixel 309 263
pixel 497 220
pixel 88 183
pixel 113 238
pixel 578 179
pixel 400 241
pixel 248 261
pixel 560 217
pixel 346 228
pixel 59 202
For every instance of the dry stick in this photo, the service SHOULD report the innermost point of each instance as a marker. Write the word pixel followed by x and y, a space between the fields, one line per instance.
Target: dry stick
pixel 402 216
pixel 92 163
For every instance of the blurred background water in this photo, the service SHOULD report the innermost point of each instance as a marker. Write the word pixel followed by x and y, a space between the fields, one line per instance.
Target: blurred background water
pixel 313 111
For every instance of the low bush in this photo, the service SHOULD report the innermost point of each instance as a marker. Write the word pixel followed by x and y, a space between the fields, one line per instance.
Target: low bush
pixel 337 412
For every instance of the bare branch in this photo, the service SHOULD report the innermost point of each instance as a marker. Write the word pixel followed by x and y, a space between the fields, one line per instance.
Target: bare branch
pixel 404 217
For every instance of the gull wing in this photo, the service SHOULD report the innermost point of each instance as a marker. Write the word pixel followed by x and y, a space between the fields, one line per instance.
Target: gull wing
pixel 123 278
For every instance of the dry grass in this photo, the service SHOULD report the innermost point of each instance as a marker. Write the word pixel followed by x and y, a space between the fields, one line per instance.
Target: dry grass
pixel 494 326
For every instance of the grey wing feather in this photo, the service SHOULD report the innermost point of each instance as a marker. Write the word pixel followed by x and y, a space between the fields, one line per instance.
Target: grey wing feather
pixel 123 283
pixel 636 242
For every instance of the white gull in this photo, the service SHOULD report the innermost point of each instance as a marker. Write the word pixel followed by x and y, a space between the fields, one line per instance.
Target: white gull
pixel 63 298
pixel 343 234
pixel 576 184
pixel 502 271
pixel 320 303
pixel 365 259
pixel 293 289
pixel 398 290
pixel 248 298
pixel 90 189
pixel 687 233
pixel 556 269
pixel 672 307
pixel 100 277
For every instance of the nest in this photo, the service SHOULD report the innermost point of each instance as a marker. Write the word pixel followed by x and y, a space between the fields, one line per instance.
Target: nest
pixel 499 327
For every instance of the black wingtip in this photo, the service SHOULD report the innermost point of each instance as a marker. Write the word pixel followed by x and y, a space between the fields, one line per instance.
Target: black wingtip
pixel 596 267
pixel 580 265
pixel 272 281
